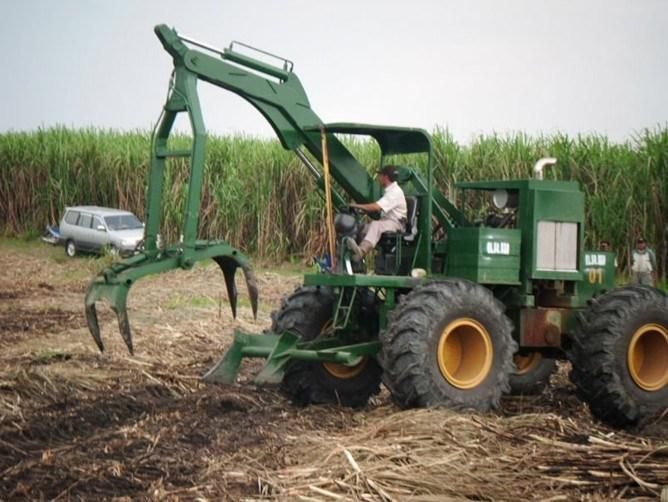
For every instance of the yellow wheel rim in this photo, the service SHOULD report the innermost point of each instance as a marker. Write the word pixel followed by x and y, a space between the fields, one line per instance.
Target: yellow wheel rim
pixel 465 353
pixel 526 363
pixel 338 370
pixel 648 357
pixel 345 372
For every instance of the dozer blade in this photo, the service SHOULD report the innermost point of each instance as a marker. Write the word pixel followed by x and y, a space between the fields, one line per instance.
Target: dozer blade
pixel 279 350
pixel 113 284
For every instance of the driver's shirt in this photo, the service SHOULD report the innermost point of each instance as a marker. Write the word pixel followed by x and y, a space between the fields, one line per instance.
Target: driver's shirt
pixel 393 204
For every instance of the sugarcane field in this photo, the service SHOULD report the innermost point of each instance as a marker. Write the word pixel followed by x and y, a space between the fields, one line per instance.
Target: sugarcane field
pixel 402 261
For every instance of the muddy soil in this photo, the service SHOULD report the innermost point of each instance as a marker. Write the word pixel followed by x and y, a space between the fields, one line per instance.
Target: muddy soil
pixel 78 424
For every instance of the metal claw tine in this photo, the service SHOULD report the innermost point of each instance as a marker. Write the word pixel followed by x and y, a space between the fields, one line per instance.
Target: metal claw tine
pixel 229 267
pixel 124 327
pixel 251 283
pixel 93 325
pixel 229 270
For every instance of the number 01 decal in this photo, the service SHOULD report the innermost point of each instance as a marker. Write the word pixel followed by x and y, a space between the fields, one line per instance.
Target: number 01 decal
pixel 595 275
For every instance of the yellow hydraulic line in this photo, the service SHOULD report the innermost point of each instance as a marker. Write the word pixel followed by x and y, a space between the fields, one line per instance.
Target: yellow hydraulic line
pixel 328 198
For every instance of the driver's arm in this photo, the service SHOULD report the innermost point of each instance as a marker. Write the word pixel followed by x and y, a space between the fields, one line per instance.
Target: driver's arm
pixel 371 207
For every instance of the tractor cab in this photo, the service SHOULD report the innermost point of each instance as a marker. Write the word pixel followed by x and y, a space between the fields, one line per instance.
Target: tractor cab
pixel 397 253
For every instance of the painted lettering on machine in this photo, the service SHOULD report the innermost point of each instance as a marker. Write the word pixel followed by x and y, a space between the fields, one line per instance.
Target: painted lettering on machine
pixel 595 260
pixel 595 267
pixel 497 247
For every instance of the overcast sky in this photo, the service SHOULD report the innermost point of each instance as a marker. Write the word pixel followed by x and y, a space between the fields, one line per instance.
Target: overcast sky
pixel 472 66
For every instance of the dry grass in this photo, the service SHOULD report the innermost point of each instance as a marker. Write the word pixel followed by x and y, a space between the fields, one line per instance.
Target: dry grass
pixel 437 454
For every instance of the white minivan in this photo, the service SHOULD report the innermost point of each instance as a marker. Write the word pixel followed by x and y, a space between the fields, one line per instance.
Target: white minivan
pixel 91 228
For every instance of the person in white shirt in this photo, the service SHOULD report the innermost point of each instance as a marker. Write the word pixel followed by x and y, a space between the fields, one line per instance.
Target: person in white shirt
pixel 643 268
pixel 392 206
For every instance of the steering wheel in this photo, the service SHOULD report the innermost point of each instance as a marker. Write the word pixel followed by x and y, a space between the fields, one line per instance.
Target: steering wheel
pixel 356 211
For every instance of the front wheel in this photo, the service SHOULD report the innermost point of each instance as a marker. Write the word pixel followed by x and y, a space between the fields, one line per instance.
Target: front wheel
pixel 620 355
pixel 308 314
pixel 448 344
pixel 70 248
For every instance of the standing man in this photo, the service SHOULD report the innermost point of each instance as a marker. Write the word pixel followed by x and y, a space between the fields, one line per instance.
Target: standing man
pixel 643 269
pixel 604 246
pixel 393 216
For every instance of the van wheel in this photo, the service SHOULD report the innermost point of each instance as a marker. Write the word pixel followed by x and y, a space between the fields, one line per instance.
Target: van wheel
pixel 70 248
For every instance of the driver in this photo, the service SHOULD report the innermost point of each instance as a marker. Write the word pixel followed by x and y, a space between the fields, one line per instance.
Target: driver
pixel 393 215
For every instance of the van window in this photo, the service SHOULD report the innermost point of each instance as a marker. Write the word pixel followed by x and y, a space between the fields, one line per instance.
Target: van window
pixel 97 222
pixel 123 222
pixel 71 217
pixel 85 220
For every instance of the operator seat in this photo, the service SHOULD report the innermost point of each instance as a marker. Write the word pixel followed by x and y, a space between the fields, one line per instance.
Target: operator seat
pixel 389 256
pixel 410 230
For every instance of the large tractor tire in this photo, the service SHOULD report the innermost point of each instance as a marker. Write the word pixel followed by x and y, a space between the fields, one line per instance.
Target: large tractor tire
pixel 308 313
pixel 619 354
pixel 448 344
pixel 532 373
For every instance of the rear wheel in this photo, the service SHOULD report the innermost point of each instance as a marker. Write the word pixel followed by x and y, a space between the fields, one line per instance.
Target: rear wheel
pixel 532 373
pixel 620 355
pixel 70 248
pixel 308 313
pixel 448 344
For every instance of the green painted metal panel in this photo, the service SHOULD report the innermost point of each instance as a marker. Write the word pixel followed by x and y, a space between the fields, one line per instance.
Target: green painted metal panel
pixel 484 255
pixel 599 275
pixel 359 280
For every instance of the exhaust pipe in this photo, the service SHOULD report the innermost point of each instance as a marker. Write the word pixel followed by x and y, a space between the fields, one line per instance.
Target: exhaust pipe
pixel 542 164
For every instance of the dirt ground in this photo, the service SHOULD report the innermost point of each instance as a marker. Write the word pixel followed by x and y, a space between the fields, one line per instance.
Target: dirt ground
pixel 78 424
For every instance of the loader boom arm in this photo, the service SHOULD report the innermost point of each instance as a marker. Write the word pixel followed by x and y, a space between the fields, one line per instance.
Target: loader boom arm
pixel 280 98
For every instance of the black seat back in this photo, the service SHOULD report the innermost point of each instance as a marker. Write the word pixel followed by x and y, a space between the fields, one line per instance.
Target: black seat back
pixel 411 215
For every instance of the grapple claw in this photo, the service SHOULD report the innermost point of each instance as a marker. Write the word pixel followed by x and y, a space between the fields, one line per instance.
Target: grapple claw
pixel 117 294
pixel 113 283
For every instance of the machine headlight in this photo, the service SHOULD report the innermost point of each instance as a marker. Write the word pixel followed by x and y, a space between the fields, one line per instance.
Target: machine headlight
pixel 503 198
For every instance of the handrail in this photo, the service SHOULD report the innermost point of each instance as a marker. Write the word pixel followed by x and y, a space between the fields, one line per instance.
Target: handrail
pixel 245 60
pixel 286 62
pixel 203 45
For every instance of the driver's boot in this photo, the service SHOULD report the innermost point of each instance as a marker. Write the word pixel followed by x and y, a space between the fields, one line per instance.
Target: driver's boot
pixel 359 251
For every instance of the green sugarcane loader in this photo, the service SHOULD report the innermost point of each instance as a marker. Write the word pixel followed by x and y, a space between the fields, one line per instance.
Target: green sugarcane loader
pixel 468 302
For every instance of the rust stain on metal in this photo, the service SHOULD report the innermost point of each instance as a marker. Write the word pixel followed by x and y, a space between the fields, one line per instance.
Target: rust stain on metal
pixel 541 327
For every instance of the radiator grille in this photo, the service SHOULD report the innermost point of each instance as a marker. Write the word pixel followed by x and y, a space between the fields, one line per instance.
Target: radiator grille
pixel 557 248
